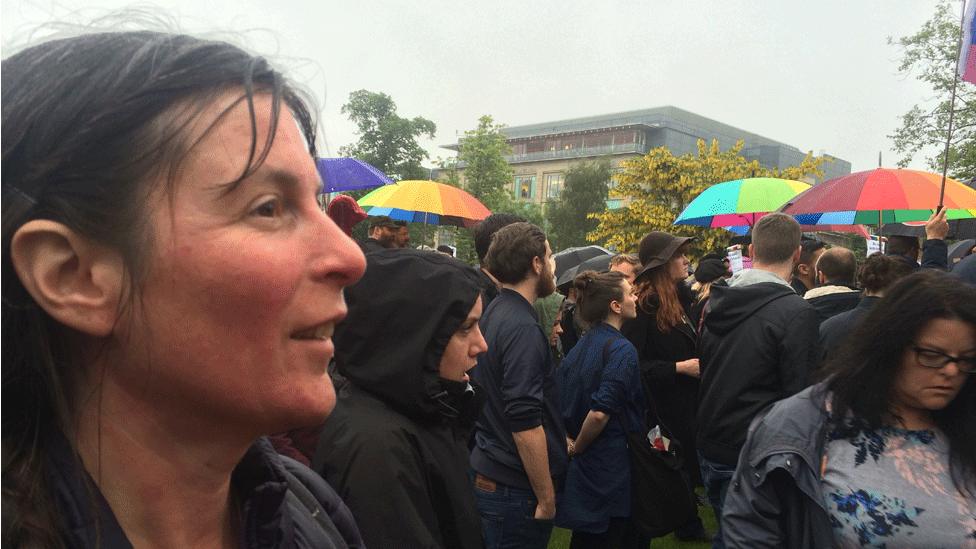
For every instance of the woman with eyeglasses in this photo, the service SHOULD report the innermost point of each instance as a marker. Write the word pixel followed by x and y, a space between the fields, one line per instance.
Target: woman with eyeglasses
pixel 883 451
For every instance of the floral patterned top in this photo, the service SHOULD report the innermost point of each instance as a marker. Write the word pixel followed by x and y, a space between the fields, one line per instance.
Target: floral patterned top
pixel 892 488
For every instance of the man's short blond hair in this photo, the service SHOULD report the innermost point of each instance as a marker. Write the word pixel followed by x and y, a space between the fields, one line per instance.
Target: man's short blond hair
pixel 630 259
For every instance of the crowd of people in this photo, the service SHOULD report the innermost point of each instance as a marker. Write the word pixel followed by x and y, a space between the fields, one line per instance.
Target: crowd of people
pixel 195 354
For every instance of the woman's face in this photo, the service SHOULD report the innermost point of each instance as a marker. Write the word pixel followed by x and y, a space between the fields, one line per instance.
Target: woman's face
pixel 555 332
pixel 678 264
pixel 234 320
pixel 628 307
pixel 461 353
pixel 930 389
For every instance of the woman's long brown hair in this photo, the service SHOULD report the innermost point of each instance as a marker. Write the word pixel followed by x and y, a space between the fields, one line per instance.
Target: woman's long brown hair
pixel 658 282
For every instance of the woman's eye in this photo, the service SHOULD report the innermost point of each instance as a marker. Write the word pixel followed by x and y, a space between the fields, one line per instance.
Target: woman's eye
pixel 267 209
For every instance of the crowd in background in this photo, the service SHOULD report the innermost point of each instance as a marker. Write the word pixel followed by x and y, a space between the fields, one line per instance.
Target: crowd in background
pixel 174 292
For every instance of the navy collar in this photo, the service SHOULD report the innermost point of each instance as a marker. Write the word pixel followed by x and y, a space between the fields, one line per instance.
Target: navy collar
pixel 259 480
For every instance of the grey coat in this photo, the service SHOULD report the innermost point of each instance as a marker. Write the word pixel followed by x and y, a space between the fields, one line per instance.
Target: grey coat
pixel 775 498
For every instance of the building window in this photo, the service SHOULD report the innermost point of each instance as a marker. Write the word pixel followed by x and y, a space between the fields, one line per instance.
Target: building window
pixel 525 187
pixel 554 185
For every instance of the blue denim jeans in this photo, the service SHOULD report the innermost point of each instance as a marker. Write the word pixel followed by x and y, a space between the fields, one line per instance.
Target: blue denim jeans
pixel 507 517
pixel 716 478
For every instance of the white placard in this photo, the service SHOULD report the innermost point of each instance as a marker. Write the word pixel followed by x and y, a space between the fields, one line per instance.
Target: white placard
pixel 735 257
pixel 875 245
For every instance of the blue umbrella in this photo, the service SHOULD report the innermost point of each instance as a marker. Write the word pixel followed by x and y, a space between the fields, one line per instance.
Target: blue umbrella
pixel 347 174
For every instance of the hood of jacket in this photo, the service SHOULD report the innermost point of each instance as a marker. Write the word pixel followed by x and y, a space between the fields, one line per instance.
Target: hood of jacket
pixel 402 314
pixel 744 294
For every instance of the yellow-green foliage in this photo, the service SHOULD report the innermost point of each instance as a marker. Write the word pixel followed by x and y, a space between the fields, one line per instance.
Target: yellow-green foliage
pixel 657 186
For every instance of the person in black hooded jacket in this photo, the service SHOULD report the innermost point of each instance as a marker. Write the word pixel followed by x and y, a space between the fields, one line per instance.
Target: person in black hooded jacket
pixel 758 345
pixel 395 447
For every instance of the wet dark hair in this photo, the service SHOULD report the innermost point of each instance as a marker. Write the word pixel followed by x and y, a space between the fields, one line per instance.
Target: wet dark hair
pixel 512 250
pixel 902 245
pixel 881 271
pixel 90 125
pixel 808 246
pixel 487 228
pixel 860 376
pixel 595 291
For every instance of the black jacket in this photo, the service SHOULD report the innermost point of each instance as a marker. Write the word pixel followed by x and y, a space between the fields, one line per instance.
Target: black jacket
pixel 395 446
pixel 518 377
pixel 284 504
pixel 371 245
pixel 835 330
pixel 675 396
pixel 832 300
pixel 759 345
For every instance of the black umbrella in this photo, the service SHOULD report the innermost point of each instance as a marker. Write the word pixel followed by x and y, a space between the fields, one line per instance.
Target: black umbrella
pixel 600 263
pixel 961 249
pixel 571 257
pixel 958 229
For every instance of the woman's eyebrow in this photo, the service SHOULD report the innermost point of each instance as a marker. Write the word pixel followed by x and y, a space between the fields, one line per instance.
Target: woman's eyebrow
pixel 277 175
pixel 940 349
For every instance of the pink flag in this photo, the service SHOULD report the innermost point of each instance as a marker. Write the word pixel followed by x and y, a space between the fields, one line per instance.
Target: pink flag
pixel 967 57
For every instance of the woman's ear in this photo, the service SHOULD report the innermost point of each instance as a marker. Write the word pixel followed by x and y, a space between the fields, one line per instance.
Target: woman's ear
pixel 77 282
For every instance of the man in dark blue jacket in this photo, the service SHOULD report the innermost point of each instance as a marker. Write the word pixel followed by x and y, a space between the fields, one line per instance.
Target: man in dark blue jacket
pixel 520 452
pixel 758 345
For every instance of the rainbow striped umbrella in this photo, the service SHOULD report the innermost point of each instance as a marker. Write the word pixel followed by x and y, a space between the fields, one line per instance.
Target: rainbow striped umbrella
pixel 881 195
pixel 740 202
pixel 427 202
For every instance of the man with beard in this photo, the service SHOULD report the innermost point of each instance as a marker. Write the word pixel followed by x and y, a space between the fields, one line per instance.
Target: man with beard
pixel 483 233
pixel 402 235
pixel 382 234
pixel 520 451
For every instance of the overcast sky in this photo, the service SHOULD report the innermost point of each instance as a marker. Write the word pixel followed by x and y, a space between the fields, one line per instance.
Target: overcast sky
pixel 816 75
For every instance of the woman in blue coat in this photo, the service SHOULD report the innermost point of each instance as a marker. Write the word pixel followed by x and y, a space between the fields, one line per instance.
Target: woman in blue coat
pixel 602 400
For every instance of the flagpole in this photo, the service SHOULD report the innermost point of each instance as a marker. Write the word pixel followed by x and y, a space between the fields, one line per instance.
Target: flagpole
pixel 952 103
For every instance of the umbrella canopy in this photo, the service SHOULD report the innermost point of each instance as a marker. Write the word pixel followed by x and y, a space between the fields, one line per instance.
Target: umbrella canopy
pixel 881 195
pixel 600 264
pixel 571 257
pixel 740 202
pixel 427 202
pixel 347 174
pixel 961 249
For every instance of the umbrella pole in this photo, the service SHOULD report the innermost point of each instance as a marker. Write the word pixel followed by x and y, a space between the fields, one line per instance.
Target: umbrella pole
pixel 952 106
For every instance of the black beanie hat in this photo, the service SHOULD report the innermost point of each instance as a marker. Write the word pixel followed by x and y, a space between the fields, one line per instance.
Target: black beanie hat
pixel 710 270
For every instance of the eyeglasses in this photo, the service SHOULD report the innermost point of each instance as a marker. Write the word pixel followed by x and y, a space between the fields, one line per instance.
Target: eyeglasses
pixel 930 358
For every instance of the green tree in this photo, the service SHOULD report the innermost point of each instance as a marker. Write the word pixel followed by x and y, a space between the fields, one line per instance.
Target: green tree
pixel 659 185
pixel 487 174
pixel 387 140
pixel 584 192
pixel 930 56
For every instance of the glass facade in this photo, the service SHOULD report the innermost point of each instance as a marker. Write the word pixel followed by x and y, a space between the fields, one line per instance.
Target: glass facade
pixel 554 185
pixel 525 187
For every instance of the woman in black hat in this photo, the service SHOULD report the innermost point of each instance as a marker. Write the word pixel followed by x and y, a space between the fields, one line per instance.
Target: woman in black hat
pixel 666 341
